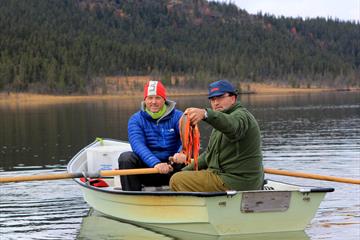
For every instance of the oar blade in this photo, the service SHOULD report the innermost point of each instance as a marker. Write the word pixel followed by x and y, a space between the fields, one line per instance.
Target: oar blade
pixel 311 176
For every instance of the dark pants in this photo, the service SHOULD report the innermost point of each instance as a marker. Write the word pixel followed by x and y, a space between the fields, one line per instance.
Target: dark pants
pixel 129 160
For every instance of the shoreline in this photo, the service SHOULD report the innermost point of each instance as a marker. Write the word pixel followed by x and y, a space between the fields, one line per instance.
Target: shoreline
pixel 254 88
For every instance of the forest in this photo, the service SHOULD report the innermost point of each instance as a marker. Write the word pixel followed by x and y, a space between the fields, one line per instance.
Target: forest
pixel 70 46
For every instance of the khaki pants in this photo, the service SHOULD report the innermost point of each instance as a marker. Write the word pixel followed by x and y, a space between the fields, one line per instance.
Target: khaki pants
pixel 197 181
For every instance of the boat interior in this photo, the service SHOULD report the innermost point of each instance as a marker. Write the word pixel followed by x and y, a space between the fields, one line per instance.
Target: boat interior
pixel 104 156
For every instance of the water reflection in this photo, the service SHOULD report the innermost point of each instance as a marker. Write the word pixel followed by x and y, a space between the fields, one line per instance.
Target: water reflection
pixel 317 133
pixel 52 134
pixel 40 209
pixel 97 226
pixel 48 135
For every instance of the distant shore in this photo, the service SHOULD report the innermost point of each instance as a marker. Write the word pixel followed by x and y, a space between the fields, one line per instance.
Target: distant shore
pixel 253 88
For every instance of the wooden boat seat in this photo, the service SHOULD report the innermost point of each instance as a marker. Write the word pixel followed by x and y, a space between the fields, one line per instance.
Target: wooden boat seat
pixel 149 188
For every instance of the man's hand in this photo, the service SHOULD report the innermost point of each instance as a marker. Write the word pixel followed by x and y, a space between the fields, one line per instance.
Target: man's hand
pixel 195 115
pixel 179 158
pixel 163 168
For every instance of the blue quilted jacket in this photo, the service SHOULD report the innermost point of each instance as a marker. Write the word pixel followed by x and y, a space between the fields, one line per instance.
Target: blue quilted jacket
pixel 155 140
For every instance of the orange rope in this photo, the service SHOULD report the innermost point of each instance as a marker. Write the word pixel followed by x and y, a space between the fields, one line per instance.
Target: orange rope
pixel 190 138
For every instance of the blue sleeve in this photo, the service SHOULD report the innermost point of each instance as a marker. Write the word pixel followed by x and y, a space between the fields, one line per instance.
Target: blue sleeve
pixel 138 142
pixel 178 115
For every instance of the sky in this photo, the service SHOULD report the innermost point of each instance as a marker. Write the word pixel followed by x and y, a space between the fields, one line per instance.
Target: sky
pixel 346 10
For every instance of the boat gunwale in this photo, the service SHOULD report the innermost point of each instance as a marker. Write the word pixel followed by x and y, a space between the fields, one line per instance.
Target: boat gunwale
pixel 199 194
pixel 321 189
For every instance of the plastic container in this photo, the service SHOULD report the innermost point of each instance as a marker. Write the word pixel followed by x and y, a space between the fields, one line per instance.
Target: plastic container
pixel 104 158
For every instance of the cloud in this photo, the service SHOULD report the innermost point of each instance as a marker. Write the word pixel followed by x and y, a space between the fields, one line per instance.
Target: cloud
pixel 343 10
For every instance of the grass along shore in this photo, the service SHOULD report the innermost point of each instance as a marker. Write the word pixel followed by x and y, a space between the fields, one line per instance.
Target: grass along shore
pixel 40 99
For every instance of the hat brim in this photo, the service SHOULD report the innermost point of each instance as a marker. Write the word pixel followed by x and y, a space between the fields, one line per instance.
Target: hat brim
pixel 216 94
pixel 219 93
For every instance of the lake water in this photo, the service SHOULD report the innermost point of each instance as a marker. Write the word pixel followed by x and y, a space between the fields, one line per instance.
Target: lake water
pixel 315 133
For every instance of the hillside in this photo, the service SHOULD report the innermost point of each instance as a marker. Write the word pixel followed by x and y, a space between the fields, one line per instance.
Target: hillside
pixel 63 46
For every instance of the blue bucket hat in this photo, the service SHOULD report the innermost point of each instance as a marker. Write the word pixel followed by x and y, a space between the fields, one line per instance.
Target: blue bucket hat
pixel 221 87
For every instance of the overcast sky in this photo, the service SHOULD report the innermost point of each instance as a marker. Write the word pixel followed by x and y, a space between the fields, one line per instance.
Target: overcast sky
pixel 341 9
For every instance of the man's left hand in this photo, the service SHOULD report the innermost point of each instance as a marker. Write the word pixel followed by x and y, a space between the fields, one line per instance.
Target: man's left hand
pixel 164 168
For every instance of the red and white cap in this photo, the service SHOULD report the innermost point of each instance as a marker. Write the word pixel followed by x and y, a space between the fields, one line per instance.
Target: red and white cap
pixel 153 88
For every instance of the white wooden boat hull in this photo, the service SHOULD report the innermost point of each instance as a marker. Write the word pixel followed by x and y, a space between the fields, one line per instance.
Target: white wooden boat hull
pixel 280 208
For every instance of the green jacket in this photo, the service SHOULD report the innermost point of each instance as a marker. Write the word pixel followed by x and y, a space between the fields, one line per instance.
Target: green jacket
pixel 234 149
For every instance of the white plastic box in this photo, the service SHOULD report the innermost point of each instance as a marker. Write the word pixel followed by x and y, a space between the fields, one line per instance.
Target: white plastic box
pixel 104 158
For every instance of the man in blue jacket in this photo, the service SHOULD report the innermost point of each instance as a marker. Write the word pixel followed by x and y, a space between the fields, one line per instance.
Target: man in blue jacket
pixel 154 136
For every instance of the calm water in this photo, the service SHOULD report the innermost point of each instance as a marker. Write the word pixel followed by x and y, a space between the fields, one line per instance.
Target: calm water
pixel 316 133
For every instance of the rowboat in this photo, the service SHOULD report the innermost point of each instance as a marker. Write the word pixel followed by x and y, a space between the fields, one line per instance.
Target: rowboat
pixel 279 207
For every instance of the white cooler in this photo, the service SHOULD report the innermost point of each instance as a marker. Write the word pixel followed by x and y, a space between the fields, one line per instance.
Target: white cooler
pixel 104 158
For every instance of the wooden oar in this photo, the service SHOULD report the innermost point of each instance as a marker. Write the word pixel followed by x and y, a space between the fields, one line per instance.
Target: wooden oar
pixel 305 175
pixel 311 176
pixel 66 175
pixel 108 173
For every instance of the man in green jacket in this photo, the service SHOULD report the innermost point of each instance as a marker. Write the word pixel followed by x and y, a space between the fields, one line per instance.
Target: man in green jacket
pixel 232 159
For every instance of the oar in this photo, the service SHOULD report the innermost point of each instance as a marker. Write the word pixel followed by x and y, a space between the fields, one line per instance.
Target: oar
pixel 66 175
pixel 304 175
pixel 108 173
pixel 311 176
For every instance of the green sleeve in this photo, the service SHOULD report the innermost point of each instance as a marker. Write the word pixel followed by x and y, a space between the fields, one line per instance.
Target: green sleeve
pixel 234 125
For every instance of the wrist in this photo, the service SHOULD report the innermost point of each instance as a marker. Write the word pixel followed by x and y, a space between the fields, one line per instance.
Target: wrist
pixel 205 114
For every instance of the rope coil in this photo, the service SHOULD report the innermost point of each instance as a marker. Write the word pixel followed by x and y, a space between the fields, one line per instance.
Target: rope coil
pixel 190 138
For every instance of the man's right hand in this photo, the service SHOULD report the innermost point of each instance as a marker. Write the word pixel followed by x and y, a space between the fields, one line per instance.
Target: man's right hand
pixel 195 115
pixel 179 158
pixel 164 168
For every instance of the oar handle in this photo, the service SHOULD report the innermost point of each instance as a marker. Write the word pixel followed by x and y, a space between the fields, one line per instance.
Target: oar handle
pixel 311 176
pixel 135 171
pixel 66 175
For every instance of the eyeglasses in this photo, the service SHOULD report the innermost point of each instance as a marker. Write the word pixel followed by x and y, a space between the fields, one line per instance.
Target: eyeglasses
pixel 221 97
